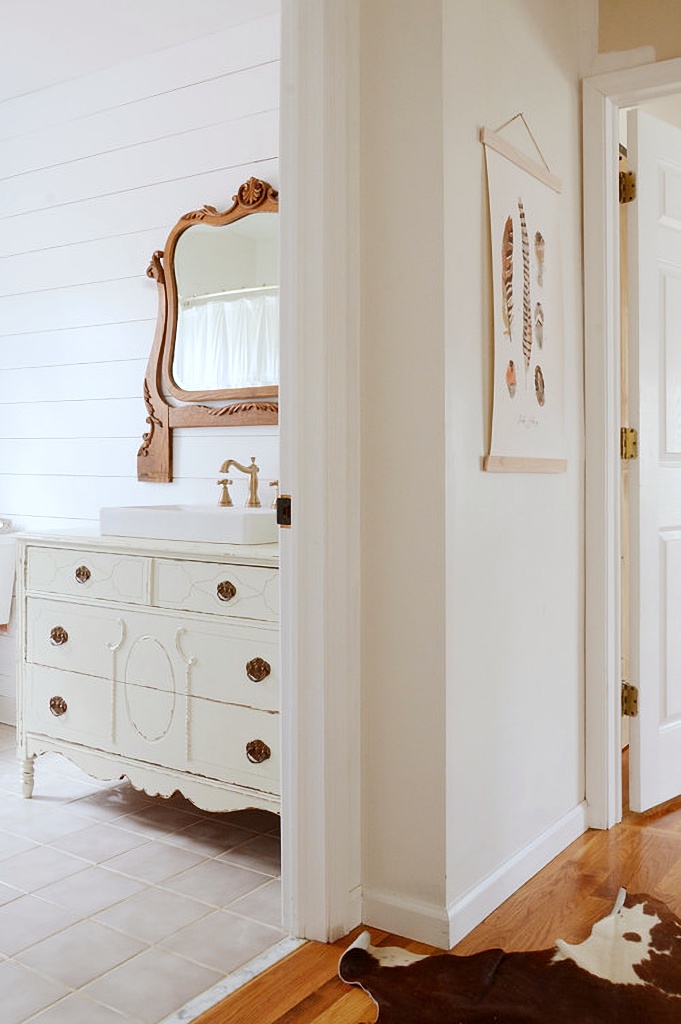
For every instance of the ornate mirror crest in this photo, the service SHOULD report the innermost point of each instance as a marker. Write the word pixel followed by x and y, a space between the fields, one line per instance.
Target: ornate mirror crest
pixel 170 405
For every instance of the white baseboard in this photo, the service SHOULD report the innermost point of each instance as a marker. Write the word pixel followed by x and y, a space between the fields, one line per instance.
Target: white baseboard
pixel 7 710
pixel 472 908
pixel 413 919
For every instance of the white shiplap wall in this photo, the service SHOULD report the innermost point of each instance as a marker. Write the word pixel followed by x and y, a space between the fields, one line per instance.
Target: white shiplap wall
pixel 93 174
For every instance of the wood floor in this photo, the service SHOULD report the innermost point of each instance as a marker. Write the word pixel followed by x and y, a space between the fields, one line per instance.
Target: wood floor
pixel 643 854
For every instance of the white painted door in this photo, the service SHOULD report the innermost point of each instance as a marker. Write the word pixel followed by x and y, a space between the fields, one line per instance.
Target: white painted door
pixel 655 409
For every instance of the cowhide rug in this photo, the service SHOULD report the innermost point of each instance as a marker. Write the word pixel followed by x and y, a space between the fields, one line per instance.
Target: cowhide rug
pixel 628 971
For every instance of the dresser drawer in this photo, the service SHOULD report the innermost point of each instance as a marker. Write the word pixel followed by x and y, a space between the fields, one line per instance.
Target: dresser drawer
pixel 239 591
pixel 219 735
pixel 72 637
pixel 68 706
pixel 98 575
pixel 232 664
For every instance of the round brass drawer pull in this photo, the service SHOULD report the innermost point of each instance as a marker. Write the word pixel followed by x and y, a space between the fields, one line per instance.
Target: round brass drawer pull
pixel 58 636
pixel 257 751
pixel 58 706
pixel 258 669
pixel 82 574
pixel 226 590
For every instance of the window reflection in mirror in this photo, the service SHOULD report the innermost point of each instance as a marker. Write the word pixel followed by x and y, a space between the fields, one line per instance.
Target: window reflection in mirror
pixel 228 305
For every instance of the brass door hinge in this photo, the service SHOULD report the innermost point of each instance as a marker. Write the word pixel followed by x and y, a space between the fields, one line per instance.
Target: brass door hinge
pixel 627 186
pixel 628 443
pixel 629 701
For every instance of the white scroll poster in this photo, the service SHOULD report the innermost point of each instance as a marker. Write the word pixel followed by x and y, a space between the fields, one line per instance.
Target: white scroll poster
pixel 528 417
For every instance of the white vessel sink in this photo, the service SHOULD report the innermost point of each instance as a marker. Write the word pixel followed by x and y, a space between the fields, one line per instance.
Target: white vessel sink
pixel 212 523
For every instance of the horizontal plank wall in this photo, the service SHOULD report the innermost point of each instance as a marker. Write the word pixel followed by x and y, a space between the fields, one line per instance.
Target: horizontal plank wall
pixel 94 172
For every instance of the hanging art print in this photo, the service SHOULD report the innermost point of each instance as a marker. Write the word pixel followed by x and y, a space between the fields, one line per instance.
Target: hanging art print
pixel 528 416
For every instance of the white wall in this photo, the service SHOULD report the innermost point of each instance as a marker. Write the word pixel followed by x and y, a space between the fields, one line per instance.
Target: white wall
pixel 95 171
pixel 403 466
pixel 515 702
pixel 472 583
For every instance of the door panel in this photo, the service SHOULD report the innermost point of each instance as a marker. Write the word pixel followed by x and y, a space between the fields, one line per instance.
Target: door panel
pixel 655 495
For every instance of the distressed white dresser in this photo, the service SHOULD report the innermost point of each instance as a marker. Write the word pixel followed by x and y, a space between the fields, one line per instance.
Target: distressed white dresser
pixel 152 660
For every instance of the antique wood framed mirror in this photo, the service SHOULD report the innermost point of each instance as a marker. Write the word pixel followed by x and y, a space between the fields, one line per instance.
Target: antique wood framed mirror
pixel 215 355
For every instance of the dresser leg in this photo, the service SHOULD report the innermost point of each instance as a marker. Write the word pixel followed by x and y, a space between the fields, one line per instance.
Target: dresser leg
pixel 27 776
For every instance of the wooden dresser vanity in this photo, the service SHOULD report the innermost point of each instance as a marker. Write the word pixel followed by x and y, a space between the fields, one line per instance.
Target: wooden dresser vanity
pixel 153 660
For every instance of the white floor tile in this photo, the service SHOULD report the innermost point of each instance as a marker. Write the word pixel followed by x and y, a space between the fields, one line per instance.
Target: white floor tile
pixel 215 882
pixel 260 854
pixel 100 842
pixel 61 956
pixel 223 941
pixel 33 869
pixel 263 905
pixel 90 891
pixel 9 893
pixel 173 982
pixel 153 914
pixel 22 993
pixel 210 837
pixel 28 920
pixel 155 861
pixel 77 1010
pixel 11 845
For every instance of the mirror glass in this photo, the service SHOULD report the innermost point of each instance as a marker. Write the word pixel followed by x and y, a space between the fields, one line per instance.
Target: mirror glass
pixel 227 305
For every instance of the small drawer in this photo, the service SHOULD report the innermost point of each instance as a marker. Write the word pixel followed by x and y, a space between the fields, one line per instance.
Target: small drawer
pixel 234 744
pixel 232 664
pixel 72 637
pixel 68 706
pixel 91 574
pixel 239 591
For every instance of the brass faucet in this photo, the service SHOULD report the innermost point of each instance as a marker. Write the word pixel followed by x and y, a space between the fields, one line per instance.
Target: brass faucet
pixel 252 471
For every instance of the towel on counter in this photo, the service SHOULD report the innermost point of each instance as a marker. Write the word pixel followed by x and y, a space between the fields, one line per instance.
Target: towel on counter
pixel 7 568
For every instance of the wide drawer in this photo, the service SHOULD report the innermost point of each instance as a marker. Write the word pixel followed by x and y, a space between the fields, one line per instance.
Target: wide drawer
pixel 232 663
pixel 239 591
pixel 200 736
pixel 68 706
pixel 221 738
pixel 98 575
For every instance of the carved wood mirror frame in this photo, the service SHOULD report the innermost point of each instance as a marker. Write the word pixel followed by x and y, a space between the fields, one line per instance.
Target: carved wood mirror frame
pixel 255 406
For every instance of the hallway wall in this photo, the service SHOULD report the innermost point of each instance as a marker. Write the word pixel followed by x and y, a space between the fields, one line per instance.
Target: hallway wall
pixel 515 572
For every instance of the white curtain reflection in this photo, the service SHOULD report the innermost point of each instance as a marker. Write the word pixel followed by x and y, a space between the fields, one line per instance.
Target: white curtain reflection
pixel 229 341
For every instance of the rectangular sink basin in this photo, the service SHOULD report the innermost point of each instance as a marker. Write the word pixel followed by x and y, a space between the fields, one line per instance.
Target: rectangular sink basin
pixel 212 523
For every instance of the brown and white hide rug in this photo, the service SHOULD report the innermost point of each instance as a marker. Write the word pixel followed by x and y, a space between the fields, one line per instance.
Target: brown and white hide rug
pixel 628 971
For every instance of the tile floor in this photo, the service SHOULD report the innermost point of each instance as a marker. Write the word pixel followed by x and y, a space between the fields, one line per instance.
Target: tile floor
pixel 116 907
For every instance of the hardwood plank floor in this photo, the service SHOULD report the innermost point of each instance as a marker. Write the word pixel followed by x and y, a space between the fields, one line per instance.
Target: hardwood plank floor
pixel 643 854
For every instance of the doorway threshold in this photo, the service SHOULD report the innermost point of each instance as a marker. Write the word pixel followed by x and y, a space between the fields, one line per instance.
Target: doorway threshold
pixel 212 996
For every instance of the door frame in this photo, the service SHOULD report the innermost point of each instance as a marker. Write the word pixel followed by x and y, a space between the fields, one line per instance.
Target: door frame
pixel 603 98
pixel 320 468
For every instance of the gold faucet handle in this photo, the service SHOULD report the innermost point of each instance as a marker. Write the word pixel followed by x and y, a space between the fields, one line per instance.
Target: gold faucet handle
pixel 275 483
pixel 225 499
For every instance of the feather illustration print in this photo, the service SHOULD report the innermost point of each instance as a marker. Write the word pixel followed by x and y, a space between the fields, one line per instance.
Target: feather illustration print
pixel 527 301
pixel 507 276
pixel 539 249
pixel 539 324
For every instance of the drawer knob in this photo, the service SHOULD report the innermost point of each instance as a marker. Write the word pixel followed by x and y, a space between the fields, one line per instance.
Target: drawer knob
pixel 58 706
pixel 58 636
pixel 258 669
pixel 83 574
pixel 226 590
pixel 257 751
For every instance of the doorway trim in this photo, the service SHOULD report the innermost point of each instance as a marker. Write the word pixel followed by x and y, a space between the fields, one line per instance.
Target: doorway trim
pixel 320 468
pixel 603 97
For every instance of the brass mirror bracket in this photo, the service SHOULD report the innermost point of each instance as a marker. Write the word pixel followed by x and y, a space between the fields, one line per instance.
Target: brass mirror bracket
pixel 243 407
